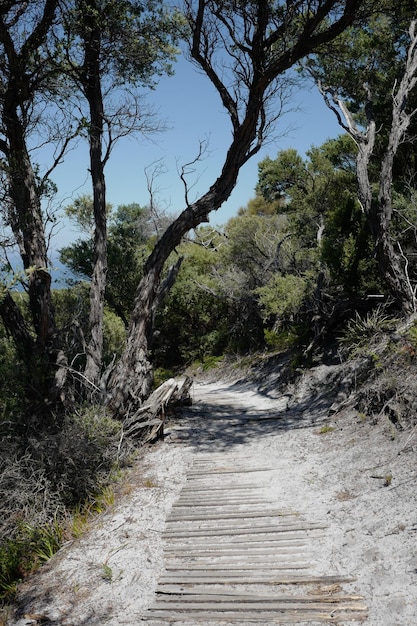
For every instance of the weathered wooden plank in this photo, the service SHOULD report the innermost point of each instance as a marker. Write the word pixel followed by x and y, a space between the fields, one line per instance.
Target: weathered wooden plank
pixel 275 617
pixel 290 538
pixel 263 566
pixel 216 551
pixel 217 569
pixel 248 577
pixel 248 470
pixel 229 553
pixel 209 503
pixel 213 595
pixel 188 487
pixel 250 605
pixel 238 515
pixel 222 491
pixel 241 530
pixel 265 557
pixel 273 580
pixel 271 549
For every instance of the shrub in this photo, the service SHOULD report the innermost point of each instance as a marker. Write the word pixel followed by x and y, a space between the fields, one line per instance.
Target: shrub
pixel 42 477
pixel 360 331
pixel 81 456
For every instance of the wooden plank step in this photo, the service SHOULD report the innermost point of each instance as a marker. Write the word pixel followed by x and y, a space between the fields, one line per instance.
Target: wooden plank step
pixel 226 507
pixel 219 569
pixel 243 470
pixel 264 559
pixel 257 554
pixel 210 503
pixel 215 488
pixel 239 515
pixel 173 552
pixel 271 580
pixel 271 576
pixel 263 564
pixel 260 617
pixel 228 550
pixel 250 605
pixel 241 530
pixel 214 595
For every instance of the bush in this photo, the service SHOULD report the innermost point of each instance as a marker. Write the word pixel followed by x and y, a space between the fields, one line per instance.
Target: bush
pixel 11 377
pixel 42 477
pixel 80 457
pixel 361 331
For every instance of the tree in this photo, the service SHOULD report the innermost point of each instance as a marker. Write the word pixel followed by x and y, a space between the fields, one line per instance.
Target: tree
pixel 244 49
pixel 323 213
pixel 110 48
pixel 385 73
pixel 50 51
pixel 130 232
pixel 27 81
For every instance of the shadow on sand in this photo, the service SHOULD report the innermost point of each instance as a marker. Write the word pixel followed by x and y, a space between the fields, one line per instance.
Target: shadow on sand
pixel 222 418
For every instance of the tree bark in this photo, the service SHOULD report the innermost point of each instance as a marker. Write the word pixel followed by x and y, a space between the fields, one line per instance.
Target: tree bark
pixel 25 212
pixel 91 84
pixel 378 211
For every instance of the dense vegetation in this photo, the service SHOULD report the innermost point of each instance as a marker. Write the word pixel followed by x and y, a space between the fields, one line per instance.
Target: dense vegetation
pixel 329 237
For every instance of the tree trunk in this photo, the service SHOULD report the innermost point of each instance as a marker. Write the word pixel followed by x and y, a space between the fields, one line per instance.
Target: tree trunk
pixel 378 211
pixel 28 227
pixel 91 82
pixel 46 377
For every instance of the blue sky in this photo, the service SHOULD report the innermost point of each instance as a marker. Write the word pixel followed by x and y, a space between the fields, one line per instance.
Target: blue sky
pixel 193 112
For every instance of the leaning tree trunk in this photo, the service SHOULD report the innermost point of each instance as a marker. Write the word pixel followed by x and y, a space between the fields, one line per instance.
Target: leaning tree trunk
pixel 258 61
pixel 131 381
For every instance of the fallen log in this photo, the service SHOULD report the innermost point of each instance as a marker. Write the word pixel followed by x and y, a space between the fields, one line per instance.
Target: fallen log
pixel 147 423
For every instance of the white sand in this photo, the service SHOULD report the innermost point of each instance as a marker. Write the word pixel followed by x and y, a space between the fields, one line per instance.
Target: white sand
pixel 359 479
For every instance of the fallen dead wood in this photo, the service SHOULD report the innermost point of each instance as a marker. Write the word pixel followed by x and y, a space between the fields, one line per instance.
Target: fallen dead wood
pixel 147 423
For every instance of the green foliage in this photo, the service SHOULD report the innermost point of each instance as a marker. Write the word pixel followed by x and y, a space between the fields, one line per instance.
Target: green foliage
pixel 161 374
pixel 211 362
pixel 192 321
pixel 13 555
pixel 283 295
pixel 130 231
pixel 277 177
pixel 71 309
pixel 107 573
pixel 324 430
pixel 367 56
pixel 284 339
pixel 44 474
pixel 114 336
pixel 138 39
pixel 324 221
pixel 81 211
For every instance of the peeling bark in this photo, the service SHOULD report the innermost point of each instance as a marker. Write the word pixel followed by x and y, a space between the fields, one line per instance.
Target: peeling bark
pixel 378 211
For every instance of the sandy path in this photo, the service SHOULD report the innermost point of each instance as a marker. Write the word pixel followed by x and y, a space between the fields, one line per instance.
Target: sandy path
pixel 339 477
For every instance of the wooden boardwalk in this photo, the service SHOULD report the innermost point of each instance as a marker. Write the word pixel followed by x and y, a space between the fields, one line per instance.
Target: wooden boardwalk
pixel 233 558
